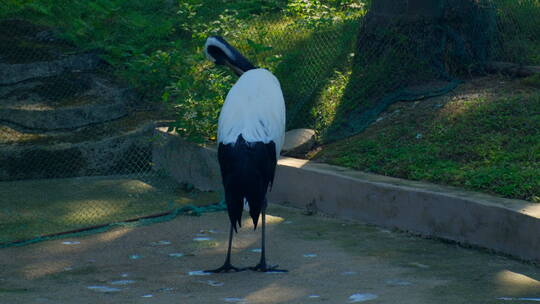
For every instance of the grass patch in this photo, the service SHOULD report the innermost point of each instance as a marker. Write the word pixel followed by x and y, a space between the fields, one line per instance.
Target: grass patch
pixel 25 212
pixel 490 144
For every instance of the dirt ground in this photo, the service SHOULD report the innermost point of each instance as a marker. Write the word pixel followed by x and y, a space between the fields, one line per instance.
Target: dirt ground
pixel 329 261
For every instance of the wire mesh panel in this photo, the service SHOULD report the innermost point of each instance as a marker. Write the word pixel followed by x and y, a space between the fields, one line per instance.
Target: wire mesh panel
pixel 83 83
pixel 75 142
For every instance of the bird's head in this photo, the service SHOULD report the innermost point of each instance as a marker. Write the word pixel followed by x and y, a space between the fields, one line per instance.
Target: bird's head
pixel 221 52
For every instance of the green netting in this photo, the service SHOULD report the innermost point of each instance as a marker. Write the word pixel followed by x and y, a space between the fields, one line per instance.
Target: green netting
pixel 82 84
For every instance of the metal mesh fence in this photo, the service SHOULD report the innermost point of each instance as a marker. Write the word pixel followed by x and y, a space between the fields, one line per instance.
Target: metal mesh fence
pixel 82 84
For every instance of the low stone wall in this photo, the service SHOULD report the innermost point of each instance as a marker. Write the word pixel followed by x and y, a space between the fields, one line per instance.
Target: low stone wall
pixel 186 162
pixel 507 226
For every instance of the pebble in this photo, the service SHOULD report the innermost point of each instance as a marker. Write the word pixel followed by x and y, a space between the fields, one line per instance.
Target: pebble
pixel 198 273
pixel 362 297
pixel 200 239
pixel 103 289
pixel 176 255
pixel 71 242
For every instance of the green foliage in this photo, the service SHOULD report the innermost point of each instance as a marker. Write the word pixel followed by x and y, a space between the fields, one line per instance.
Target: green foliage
pixel 519 29
pixel 197 99
pixel 321 13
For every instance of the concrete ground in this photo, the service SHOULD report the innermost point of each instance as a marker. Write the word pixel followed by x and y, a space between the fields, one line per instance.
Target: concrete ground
pixel 329 261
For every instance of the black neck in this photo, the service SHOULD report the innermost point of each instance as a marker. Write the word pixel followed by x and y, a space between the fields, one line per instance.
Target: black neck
pixel 225 54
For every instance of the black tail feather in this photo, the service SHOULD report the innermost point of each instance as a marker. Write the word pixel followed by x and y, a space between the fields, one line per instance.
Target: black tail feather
pixel 247 170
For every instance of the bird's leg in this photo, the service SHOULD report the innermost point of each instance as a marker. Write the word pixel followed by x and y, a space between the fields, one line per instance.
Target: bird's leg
pixel 227 266
pixel 262 266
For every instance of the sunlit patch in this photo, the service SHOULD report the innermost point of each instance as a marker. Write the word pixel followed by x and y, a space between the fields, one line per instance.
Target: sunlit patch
pixel 532 210
pixel 38 270
pixel 135 186
pixel 113 235
pixel 90 211
pixel 293 162
pixel 270 220
pixel 516 284
pixel 275 293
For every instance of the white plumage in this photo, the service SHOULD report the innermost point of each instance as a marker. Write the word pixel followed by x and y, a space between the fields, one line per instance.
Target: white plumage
pixel 255 108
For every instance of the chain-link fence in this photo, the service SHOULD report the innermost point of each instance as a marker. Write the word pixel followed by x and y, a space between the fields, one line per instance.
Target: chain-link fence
pixel 82 85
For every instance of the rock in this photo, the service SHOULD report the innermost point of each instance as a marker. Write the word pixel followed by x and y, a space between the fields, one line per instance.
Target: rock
pixel 298 142
pixel 13 73
pixel 122 153
pixel 71 101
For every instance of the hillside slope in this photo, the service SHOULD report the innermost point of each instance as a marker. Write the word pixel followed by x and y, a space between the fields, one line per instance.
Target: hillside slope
pixel 483 136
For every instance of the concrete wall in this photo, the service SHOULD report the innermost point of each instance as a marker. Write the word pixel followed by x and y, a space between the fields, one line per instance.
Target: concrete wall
pixel 186 162
pixel 507 226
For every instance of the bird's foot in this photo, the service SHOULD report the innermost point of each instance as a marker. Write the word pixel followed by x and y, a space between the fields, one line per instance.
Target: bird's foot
pixel 227 267
pixel 262 267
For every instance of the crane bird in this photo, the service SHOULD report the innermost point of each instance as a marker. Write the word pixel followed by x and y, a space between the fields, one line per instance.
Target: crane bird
pixel 251 130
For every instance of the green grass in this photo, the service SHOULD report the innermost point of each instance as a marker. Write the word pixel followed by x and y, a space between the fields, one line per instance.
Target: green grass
pixel 485 144
pixel 29 209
